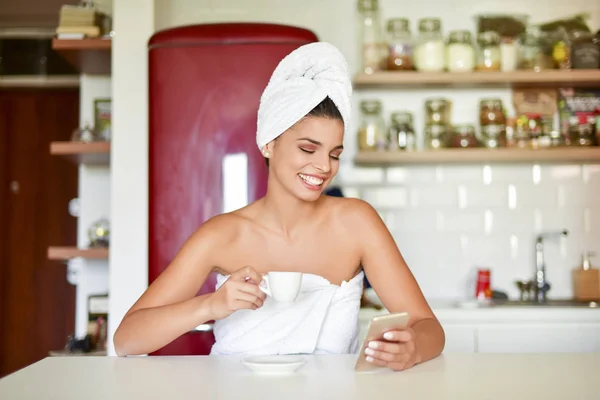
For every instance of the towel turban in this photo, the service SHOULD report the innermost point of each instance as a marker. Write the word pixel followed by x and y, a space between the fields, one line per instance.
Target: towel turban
pixel 302 80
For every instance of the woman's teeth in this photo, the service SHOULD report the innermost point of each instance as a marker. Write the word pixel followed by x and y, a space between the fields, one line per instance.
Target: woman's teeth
pixel 311 180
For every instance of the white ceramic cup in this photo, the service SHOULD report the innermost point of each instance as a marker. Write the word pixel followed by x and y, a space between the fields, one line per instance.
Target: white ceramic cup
pixel 282 286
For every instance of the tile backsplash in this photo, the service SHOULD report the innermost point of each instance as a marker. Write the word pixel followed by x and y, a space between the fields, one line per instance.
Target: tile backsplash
pixel 448 220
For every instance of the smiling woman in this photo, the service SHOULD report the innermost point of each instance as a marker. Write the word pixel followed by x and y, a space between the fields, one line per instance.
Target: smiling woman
pixel 329 242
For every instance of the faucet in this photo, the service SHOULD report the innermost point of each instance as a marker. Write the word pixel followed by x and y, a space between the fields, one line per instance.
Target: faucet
pixel 541 285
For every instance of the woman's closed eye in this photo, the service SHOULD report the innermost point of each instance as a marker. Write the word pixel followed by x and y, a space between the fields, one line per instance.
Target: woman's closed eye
pixel 334 156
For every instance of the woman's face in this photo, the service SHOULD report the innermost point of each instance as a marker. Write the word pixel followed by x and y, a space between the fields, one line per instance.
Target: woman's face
pixel 305 158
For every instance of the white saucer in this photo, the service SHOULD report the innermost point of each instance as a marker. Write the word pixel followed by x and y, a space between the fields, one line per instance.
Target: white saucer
pixel 274 365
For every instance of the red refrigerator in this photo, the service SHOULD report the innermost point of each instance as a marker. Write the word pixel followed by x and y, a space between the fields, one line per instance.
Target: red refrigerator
pixel 205 83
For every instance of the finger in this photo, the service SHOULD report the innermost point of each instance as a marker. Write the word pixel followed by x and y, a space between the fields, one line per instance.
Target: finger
pixel 244 305
pixel 248 273
pixel 376 361
pixel 252 289
pixel 386 357
pixel 250 298
pixel 399 336
pixel 394 347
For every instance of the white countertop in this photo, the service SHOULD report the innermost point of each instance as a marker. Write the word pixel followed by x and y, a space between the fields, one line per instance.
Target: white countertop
pixel 451 376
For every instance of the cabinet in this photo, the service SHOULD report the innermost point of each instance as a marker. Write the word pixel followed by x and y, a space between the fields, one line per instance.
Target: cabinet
pixel 468 334
pixel 538 338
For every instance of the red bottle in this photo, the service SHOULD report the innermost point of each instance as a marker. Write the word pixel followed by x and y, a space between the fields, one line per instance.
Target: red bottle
pixel 483 289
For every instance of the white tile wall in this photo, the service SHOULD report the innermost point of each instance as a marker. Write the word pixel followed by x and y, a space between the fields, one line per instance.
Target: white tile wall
pixel 447 220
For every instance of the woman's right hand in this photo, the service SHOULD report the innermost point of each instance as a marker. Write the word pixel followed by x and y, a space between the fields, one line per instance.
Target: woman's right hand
pixel 239 292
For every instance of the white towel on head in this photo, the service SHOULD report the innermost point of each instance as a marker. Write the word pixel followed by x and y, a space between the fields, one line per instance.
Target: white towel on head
pixel 303 79
pixel 322 320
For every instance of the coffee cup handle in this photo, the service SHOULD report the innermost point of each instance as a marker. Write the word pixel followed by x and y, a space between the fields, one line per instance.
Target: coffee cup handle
pixel 265 287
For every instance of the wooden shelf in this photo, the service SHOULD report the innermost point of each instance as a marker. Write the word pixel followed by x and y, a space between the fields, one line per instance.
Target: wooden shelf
pixel 54 81
pixel 94 153
pixel 89 56
pixel 66 253
pixel 576 155
pixel 453 79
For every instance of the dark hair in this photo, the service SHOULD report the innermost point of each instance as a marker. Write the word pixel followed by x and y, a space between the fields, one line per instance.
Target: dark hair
pixel 325 109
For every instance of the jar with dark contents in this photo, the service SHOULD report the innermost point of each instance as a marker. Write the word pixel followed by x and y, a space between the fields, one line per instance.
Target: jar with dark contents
pixel 493 136
pixel 463 135
pixel 585 51
pixel 372 135
pixel 491 112
pixel 437 112
pixel 400 45
pixel 436 136
pixel 581 135
pixel 401 132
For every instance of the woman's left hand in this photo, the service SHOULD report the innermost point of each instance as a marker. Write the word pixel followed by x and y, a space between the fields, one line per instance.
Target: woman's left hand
pixel 398 351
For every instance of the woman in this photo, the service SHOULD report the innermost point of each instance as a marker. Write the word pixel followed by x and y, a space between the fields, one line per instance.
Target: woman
pixel 303 116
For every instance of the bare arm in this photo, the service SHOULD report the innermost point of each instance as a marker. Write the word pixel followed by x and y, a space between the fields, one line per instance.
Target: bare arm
pixel 394 283
pixel 170 307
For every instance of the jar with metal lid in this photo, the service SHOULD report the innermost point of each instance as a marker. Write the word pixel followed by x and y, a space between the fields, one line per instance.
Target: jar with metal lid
pixel 401 132
pixel 460 54
pixel 372 134
pixel 437 111
pixel 429 51
pixel 491 112
pixel 463 135
pixel 436 136
pixel 370 41
pixel 400 45
pixel 493 136
pixel 488 51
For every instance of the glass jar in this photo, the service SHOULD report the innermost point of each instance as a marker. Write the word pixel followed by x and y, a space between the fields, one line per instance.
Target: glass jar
pixel 534 51
pixel 463 135
pixel 493 136
pixel 400 45
pixel 370 45
pixel 460 55
pixel 581 135
pixel 402 133
pixel 491 112
pixel 508 53
pixel 585 52
pixel 429 52
pixel 436 136
pixel 371 134
pixel 437 111
pixel 488 51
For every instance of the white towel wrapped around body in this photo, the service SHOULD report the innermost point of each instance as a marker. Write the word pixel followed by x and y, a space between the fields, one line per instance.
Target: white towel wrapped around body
pixel 322 320
pixel 303 79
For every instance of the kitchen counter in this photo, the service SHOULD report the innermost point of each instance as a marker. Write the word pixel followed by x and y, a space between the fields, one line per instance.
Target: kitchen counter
pixel 467 312
pixel 450 376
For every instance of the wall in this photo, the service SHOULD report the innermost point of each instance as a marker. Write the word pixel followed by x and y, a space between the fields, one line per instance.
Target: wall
pixel 445 220
pixel 133 24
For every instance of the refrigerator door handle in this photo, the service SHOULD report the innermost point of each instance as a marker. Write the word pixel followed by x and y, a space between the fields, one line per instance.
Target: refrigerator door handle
pixel 207 327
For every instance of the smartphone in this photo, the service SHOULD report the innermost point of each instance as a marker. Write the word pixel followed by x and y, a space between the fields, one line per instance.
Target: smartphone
pixel 377 327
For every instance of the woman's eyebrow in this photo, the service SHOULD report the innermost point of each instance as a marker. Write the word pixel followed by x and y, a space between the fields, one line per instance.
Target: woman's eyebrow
pixel 320 144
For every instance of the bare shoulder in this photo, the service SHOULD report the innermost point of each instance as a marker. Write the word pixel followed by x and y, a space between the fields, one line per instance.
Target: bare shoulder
pixel 353 212
pixel 222 228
